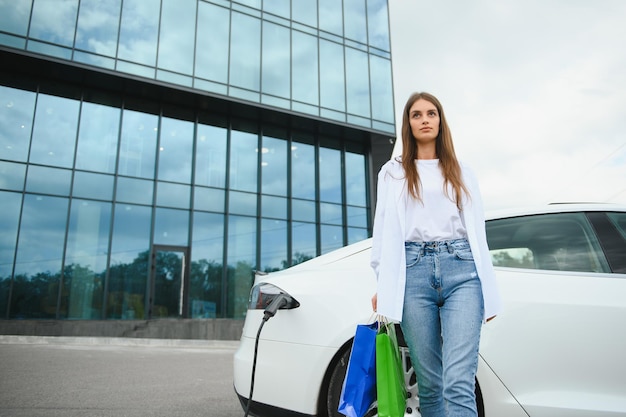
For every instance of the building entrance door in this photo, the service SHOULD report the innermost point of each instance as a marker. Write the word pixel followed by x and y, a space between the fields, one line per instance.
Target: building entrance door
pixel 168 282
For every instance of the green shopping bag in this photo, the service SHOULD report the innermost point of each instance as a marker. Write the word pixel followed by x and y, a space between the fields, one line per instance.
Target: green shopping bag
pixel 390 386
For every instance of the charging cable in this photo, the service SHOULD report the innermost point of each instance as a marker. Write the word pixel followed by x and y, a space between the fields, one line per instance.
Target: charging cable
pixel 281 300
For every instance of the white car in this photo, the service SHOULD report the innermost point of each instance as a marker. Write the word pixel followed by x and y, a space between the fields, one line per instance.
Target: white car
pixel 557 349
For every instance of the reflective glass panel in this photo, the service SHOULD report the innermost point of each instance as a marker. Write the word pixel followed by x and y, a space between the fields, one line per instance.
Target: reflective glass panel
pixel 245 52
pixel 205 277
pixel 211 156
pixel 304 11
pixel 331 238
pixel 138 144
pixel 212 42
pixel 382 92
pixel 357 82
pixel 131 190
pixel 98 24
pixel 242 203
pixel 378 24
pixel 96 186
pixel 48 180
pixel 54 134
pixel 208 199
pixel 330 175
pixel 12 176
pixel 304 68
pixel 356 235
pixel 356 182
pixel 303 210
pixel 241 262
pixel 10 208
pixel 86 259
pixel 357 216
pixel 243 161
pixel 173 195
pixel 17 108
pixel 97 138
pixel 275 207
pixel 175 150
pixel 276 60
pixel 171 227
pixel 39 255
pixel 139 31
pixel 176 38
pixel 278 7
pixel 331 16
pixel 331 213
pixel 273 245
pixel 54 21
pixel 274 166
pixel 130 252
pixel 14 18
pixel 355 22
pixel 303 242
pixel 332 80
pixel 303 170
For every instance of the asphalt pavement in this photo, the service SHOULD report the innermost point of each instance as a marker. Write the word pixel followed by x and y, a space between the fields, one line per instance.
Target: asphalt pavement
pixel 71 376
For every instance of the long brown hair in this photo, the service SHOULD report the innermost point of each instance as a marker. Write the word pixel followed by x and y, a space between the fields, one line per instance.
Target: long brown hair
pixel 443 147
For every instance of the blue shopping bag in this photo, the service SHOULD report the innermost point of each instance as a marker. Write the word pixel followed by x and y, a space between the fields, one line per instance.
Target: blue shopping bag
pixel 359 386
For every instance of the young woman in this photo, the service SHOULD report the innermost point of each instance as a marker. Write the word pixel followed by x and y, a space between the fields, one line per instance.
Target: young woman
pixel 431 259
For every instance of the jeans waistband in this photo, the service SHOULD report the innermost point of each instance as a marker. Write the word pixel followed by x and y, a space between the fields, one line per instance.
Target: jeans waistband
pixel 436 246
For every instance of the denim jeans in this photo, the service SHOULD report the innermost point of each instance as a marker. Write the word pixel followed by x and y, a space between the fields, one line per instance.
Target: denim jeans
pixel 442 318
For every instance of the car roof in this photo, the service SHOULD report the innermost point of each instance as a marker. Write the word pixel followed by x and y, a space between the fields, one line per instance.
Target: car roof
pixel 553 208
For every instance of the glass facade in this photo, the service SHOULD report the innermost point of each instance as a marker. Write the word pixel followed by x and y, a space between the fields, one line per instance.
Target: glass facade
pixel 124 203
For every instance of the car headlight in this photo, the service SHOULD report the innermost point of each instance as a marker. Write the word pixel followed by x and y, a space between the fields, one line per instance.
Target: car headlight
pixel 263 294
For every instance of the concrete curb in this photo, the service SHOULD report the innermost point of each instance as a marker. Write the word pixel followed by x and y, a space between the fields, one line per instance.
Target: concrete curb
pixel 119 341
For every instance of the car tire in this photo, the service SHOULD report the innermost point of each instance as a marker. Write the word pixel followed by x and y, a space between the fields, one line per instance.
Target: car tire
pixel 335 383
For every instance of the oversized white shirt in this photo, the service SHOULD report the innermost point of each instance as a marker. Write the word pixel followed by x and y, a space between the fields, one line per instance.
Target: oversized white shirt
pixel 388 254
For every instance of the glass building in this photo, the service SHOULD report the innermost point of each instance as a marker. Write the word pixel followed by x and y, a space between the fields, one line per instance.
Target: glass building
pixel 154 153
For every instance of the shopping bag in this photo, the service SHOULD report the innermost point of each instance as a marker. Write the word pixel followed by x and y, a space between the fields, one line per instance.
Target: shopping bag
pixel 390 385
pixel 359 385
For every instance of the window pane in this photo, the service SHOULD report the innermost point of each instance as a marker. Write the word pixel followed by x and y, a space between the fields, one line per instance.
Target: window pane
pixel 304 68
pixel 305 11
pixel 131 190
pixel 330 175
pixel 128 272
pixel 273 245
pixel 176 39
pixel 211 156
pixel 241 262
pixel 139 31
pixel 39 254
pixel 98 24
pixel 357 216
pixel 242 203
pixel 303 210
pixel 212 42
pixel 243 161
pixel 356 235
pixel 14 16
pixel 10 208
pixel 12 176
pixel 378 24
pixel 48 180
pixel 382 93
pixel 175 150
pixel 357 82
pixel 171 227
pixel 274 166
pixel 278 7
pixel 17 108
pixel 245 55
pixel 303 171
pixel 97 138
pixel 331 238
pixel 205 287
pixel 331 213
pixel 275 207
pixel 332 83
pixel 96 186
pixel 138 144
pixel 331 17
pixel 619 220
pixel 173 195
pixel 356 182
pixel 54 135
pixel 208 199
pixel 86 259
pixel 276 60
pixel 356 24
pixel 303 236
pixel 46 21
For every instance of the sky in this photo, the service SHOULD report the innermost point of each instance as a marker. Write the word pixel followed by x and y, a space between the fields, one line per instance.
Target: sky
pixel 534 92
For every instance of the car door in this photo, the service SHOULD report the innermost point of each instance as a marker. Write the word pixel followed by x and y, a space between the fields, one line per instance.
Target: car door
pixel 559 344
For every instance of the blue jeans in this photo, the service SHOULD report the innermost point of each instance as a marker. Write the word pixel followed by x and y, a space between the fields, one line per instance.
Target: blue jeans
pixel 442 318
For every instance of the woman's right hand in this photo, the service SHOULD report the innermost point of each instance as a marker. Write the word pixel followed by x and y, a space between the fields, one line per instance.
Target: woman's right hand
pixel 375 302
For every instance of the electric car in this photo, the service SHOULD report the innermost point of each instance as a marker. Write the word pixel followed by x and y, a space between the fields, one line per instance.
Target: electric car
pixel 558 348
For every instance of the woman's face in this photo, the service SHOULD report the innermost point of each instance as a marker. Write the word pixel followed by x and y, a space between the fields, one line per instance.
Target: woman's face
pixel 424 121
